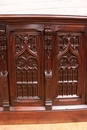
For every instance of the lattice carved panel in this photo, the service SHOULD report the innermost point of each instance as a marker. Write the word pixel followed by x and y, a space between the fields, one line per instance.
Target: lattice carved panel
pixel 30 40
pixel 68 64
pixel 26 61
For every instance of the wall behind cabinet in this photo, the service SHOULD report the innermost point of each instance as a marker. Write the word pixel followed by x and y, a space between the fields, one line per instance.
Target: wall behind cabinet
pixel 64 7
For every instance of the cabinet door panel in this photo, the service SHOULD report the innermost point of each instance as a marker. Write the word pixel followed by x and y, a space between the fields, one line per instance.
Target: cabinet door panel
pixel 70 67
pixel 26 65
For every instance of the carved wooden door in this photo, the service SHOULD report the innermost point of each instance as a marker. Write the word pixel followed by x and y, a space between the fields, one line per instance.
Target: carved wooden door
pixel 69 65
pixel 26 64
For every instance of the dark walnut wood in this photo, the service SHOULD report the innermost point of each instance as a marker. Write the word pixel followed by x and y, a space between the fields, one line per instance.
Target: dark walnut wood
pixel 43 69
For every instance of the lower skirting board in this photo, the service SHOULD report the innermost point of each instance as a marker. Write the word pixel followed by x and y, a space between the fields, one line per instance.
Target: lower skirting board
pixel 29 117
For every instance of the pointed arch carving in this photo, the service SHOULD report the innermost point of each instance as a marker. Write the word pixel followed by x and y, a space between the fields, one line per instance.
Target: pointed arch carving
pixel 68 63
pixel 26 62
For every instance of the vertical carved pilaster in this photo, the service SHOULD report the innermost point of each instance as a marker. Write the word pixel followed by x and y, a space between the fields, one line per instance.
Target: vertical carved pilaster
pixel 3 70
pixel 48 50
pixel 48 67
pixel 5 92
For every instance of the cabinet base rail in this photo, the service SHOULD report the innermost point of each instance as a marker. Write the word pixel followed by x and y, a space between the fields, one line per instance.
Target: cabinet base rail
pixel 58 114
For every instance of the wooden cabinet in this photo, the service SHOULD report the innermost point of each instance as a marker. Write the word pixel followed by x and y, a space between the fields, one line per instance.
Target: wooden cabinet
pixel 43 75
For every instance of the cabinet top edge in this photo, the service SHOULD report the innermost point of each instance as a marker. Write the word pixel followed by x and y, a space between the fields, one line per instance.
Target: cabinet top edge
pixel 42 18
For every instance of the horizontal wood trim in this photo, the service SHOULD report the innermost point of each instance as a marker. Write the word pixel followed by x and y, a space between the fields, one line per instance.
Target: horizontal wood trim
pixel 43 18
pixel 43 117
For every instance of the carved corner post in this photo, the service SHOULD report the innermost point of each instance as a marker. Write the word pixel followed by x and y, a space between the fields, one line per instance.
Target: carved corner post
pixel 85 49
pixel 48 68
pixel 3 70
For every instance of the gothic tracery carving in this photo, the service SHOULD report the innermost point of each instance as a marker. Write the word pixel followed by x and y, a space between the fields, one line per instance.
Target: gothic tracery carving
pixel 26 65
pixel 3 49
pixel 64 41
pixel 29 40
pixel 68 64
